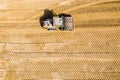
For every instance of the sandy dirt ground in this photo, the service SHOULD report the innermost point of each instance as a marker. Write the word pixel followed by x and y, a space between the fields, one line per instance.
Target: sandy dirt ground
pixel 90 52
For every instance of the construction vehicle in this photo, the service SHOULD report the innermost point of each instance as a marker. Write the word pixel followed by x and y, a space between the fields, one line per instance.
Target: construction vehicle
pixel 61 21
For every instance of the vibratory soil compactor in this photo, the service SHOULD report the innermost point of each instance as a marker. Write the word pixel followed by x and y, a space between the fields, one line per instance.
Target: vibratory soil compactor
pixel 58 22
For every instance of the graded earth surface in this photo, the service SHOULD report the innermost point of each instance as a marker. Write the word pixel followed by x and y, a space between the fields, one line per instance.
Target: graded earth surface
pixel 90 52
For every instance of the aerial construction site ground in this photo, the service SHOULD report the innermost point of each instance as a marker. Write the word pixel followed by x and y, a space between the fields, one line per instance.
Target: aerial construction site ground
pixel 90 52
